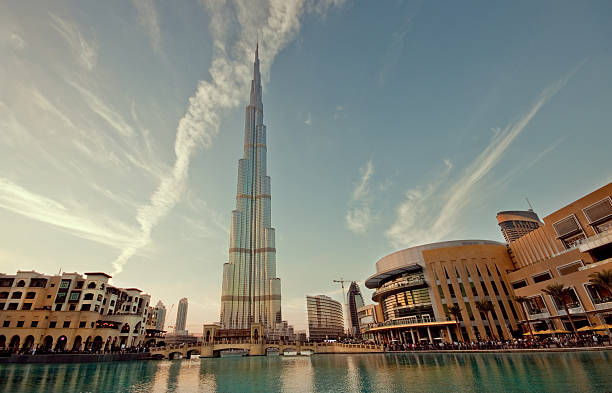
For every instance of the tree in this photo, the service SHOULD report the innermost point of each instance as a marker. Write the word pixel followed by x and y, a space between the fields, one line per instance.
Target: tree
pixel 522 300
pixel 560 294
pixel 486 308
pixel 455 311
pixel 602 280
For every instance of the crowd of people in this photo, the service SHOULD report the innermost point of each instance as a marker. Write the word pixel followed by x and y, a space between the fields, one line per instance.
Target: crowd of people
pixel 563 341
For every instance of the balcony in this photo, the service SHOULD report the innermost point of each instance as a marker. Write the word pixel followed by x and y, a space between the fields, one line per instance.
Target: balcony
pixel 573 308
pixel 602 303
pixel 390 288
pixel 538 313
pixel 413 321
pixel 595 241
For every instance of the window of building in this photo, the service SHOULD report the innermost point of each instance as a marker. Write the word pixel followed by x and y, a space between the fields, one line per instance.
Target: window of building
pixel 96 308
pixel 541 277
pixel 66 324
pixel 99 298
pixel 4 295
pixel 569 268
pixel 21 283
pixel 91 285
pixel 79 284
pixel 88 296
pixel 52 285
pixel 112 303
pixel 74 296
pixel 12 306
pixel 26 306
pixel 34 324
pixel 91 325
pixel 6 323
pixel 494 288
pixel 598 295
pixel 86 307
pixel 58 307
pixel 20 323
pixel 30 295
pixel 52 324
pixel 72 307
pixel 82 324
pixel 16 295
pixel 102 311
pixel 6 282
pixel 104 302
pixel 571 301
pixel 599 215
pixel 535 305
pixel 2 306
pixel 64 284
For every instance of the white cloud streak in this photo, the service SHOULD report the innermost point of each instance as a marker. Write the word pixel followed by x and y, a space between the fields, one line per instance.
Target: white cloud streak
pixel 429 214
pixel 358 216
pixel 86 51
pixel 102 230
pixel 276 23
pixel 149 20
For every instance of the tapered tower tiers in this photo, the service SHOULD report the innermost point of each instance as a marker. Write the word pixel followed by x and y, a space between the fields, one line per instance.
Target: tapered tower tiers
pixel 251 291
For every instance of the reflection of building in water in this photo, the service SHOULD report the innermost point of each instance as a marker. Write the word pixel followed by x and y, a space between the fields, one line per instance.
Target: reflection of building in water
pixel 69 312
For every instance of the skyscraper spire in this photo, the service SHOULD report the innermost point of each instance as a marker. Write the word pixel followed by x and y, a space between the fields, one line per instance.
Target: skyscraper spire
pixel 251 291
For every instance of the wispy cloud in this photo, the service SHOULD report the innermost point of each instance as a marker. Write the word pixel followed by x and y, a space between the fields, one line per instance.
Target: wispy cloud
pixel 230 76
pixel 85 50
pixel 17 41
pixel 308 120
pixel 149 20
pixel 430 213
pixel 339 113
pixel 358 216
pixel 19 200
pixel 97 105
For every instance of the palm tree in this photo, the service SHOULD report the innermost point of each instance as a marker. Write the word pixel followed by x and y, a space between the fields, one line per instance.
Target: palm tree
pixel 560 294
pixel 455 311
pixel 522 300
pixel 486 307
pixel 602 280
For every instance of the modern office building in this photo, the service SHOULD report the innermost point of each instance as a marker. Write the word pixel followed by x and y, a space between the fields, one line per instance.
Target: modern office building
pixel 69 312
pixel 517 223
pixel 416 286
pixel 325 318
pixel 354 301
pixel 251 292
pixel 369 315
pixel 160 316
pixel 574 242
pixel 181 317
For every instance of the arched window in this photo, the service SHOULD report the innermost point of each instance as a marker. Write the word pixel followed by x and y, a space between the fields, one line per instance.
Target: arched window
pixel 21 283
pixel 99 298
pixel 88 296
pixel 91 285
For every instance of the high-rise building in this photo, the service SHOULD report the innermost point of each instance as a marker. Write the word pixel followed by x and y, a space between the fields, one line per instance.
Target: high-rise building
pixel 181 316
pixel 517 223
pixel 251 292
pixel 160 310
pixel 325 319
pixel 355 301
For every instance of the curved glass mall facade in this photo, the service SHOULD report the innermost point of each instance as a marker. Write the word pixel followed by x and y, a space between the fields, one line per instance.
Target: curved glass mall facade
pixel 414 288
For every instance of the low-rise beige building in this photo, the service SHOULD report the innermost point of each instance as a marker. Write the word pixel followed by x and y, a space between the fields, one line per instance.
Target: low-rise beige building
pixel 69 312
pixel 574 242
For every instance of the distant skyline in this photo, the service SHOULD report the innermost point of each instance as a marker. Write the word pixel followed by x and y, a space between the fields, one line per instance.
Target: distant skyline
pixel 388 127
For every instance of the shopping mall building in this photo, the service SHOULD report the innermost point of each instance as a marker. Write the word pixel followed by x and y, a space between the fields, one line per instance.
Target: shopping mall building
pixel 415 287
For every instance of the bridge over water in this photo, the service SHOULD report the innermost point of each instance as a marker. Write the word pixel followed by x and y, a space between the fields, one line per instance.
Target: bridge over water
pixel 259 348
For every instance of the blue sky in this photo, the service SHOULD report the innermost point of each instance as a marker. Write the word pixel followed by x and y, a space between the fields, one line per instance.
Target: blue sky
pixel 389 125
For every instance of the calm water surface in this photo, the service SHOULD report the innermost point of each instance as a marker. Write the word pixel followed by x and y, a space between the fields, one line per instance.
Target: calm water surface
pixel 552 372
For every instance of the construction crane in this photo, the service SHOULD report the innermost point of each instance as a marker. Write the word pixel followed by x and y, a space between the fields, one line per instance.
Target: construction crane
pixel 345 300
